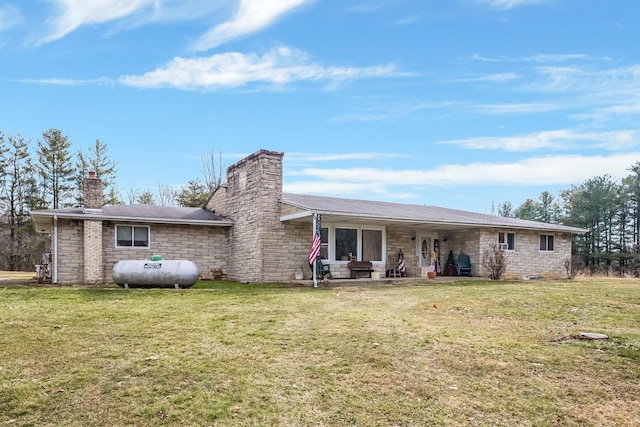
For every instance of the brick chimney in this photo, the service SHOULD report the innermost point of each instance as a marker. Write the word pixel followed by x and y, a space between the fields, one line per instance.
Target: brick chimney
pixel 93 257
pixel 92 194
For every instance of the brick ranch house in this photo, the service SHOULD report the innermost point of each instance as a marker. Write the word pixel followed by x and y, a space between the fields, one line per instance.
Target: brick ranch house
pixel 250 231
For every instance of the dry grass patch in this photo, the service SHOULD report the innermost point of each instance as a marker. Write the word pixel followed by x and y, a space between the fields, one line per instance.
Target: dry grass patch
pixel 473 353
pixel 16 275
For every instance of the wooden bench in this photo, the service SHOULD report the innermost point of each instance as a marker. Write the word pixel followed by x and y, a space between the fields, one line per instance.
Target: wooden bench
pixel 359 267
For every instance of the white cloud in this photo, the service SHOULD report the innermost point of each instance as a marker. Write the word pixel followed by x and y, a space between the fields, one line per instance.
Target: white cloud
pixel 252 16
pixel 9 17
pixel 541 58
pixel 535 171
pixel 280 66
pixel 545 57
pixel 333 157
pixel 508 4
pixel 129 13
pixel 527 108
pixel 385 111
pixel 75 13
pixel 556 139
pixel 489 78
pixel 67 82
pixel 631 108
pixel 574 79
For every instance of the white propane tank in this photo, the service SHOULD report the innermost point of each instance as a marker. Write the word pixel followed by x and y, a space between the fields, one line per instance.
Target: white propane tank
pixel 156 273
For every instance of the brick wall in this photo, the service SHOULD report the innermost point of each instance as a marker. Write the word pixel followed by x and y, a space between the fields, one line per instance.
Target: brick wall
pixel 206 246
pixel 92 247
pixel 92 192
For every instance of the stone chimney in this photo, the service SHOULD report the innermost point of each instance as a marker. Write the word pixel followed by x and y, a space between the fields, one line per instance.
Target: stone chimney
pixel 93 258
pixel 92 194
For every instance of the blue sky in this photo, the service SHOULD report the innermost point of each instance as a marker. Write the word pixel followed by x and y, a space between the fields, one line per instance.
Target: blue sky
pixel 459 103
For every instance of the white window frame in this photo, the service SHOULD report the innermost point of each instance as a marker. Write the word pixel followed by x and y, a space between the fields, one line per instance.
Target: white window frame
pixel 506 242
pixel 359 228
pixel 547 236
pixel 133 227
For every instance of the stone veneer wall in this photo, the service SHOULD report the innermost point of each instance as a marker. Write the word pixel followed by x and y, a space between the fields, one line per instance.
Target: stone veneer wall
pixel 204 245
pixel 251 201
pixel 399 237
pixel 70 263
pixel 527 259
pixel 463 241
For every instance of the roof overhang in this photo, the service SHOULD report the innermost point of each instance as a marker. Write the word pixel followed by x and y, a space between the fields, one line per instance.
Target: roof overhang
pixel 43 220
pixel 358 219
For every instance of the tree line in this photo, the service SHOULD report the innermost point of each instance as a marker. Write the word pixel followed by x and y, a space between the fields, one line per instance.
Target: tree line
pixel 49 174
pixel 609 211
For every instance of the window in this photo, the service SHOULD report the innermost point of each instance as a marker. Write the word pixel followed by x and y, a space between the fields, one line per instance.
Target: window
pixel 346 243
pixel 547 242
pixel 363 244
pixel 372 245
pixel 507 241
pixel 324 243
pixel 128 236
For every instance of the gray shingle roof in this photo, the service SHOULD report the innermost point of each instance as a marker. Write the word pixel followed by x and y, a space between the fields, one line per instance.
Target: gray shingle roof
pixel 402 212
pixel 151 213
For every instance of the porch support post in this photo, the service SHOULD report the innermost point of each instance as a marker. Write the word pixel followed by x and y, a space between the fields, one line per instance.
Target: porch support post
pixel 315 264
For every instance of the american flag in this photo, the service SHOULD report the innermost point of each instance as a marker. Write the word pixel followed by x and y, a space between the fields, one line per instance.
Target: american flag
pixel 315 246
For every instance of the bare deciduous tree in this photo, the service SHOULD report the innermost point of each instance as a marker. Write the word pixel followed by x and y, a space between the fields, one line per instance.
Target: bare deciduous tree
pixel 495 260
pixel 212 171
pixel 167 195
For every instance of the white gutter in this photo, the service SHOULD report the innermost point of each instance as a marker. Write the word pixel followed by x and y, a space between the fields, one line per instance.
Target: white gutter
pixel 81 216
pixel 297 215
pixel 54 274
pixel 542 226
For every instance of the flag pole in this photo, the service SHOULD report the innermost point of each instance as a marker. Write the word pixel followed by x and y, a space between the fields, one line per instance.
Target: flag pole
pixel 315 263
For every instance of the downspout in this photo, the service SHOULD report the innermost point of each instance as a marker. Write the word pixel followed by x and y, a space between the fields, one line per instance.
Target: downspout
pixel 54 277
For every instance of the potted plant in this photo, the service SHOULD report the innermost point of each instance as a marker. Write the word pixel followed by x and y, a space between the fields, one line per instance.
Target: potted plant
pixel 431 270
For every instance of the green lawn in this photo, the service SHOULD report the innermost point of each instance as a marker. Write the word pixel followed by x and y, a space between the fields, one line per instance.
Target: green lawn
pixel 222 354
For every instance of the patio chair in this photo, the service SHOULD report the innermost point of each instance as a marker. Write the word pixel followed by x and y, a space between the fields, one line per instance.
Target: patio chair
pixel 322 270
pixel 463 265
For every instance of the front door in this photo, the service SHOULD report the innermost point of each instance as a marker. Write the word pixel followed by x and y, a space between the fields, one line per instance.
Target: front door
pixel 424 249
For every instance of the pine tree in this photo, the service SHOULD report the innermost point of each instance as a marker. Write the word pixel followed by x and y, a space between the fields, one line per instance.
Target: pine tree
pixel 54 168
pixel 17 196
pixel 195 194
pixel 97 161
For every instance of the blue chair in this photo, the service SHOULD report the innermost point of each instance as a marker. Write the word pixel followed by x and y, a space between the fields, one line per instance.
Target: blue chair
pixel 463 266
